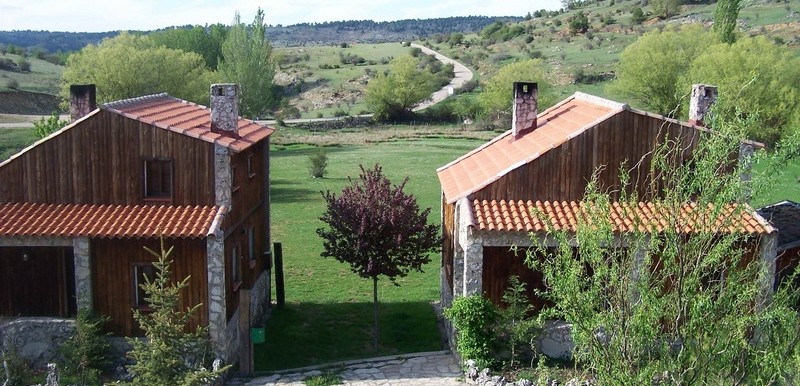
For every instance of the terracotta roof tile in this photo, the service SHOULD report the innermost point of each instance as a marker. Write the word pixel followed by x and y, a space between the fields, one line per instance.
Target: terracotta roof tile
pixel 530 216
pixel 106 221
pixel 166 112
pixel 555 126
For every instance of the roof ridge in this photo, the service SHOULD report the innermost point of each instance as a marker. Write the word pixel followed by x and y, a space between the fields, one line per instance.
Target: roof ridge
pixel 137 100
pixel 600 101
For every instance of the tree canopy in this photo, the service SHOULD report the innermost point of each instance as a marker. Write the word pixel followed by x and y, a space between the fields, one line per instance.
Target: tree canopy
pixel 377 229
pixel 757 78
pixel 129 66
pixel 248 61
pixel 206 41
pixel 393 95
pixel 497 96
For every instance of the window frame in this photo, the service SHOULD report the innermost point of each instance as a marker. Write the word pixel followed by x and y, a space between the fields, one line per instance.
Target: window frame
pixel 251 171
pixel 137 294
pixel 165 164
pixel 251 241
pixel 236 269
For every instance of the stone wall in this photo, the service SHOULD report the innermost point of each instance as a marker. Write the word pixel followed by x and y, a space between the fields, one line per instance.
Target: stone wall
pixel 36 339
pixel 259 299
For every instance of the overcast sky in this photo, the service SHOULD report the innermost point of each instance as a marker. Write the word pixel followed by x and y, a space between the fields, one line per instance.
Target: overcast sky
pixel 111 15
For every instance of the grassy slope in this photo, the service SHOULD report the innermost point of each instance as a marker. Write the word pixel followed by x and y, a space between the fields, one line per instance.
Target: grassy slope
pixel 14 140
pixel 44 76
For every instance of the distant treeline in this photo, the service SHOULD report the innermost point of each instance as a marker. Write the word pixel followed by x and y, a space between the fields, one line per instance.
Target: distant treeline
pixel 353 31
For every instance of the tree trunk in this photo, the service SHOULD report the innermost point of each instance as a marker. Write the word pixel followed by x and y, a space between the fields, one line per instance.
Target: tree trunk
pixel 375 312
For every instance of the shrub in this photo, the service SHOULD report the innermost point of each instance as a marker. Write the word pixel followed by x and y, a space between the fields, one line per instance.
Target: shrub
pixel 15 370
pixel 23 64
pixel 48 125
pixel 474 317
pixel 515 326
pixel 318 163
pixel 12 84
pixel 84 351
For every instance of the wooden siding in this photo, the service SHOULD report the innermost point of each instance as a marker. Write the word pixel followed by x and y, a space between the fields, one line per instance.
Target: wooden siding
pixel 101 161
pixel 786 264
pixel 250 206
pixel 113 285
pixel 37 281
pixel 448 240
pixel 499 264
pixel 564 172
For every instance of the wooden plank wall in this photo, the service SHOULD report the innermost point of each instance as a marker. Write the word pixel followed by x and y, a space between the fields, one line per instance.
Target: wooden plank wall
pixel 112 278
pixel 564 172
pixel 448 240
pixel 248 211
pixel 41 285
pixel 102 160
pixel 499 264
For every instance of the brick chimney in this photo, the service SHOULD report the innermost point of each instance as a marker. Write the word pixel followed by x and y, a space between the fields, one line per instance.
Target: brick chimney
pixel 225 108
pixel 525 109
pixel 82 100
pixel 703 96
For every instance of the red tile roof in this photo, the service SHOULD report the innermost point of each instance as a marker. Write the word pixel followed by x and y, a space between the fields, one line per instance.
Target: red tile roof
pixel 107 221
pixel 555 126
pixel 166 112
pixel 529 216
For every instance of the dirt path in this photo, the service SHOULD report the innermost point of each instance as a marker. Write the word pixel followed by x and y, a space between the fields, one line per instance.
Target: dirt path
pixel 463 74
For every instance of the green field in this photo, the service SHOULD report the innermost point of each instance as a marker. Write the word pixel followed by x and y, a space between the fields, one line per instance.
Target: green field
pixel 43 77
pixel 328 313
pixel 14 140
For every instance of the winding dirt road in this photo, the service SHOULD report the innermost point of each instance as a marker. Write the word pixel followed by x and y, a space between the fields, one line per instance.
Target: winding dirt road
pixel 462 75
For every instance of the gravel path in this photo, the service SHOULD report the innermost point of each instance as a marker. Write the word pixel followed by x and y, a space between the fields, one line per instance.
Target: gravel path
pixel 462 75
pixel 437 368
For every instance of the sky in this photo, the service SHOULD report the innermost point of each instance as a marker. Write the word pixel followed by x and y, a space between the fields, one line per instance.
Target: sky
pixel 112 15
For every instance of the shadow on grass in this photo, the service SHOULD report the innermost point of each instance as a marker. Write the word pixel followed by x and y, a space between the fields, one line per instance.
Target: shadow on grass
pixel 305 334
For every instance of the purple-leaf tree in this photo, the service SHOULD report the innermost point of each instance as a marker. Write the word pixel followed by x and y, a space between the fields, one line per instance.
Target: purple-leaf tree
pixel 378 229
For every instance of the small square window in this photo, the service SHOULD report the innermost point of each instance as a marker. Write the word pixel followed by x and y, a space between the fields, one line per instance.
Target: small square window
pixel 158 179
pixel 142 273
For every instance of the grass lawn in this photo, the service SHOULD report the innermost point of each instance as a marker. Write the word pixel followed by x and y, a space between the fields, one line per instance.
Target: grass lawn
pixel 328 316
pixel 14 140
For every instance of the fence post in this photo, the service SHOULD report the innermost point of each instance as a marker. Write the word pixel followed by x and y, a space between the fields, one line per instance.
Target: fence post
pixel 245 344
pixel 279 286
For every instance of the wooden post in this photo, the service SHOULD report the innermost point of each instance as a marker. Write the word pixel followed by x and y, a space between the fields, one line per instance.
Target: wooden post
pixel 279 288
pixel 245 344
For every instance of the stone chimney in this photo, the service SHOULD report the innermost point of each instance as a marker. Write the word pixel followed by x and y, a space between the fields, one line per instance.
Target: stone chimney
pixel 225 108
pixel 82 100
pixel 703 96
pixel 525 109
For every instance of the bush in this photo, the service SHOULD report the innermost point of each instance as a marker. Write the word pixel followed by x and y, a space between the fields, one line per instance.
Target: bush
pixel 24 64
pixel 318 163
pixel 474 317
pixel 515 327
pixel 84 352
pixel 12 84
pixel 48 125
pixel 15 370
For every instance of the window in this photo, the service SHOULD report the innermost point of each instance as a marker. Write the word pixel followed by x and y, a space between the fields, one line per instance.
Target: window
pixel 142 272
pixel 251 171
pixel 158 179
pixel 234 179
pixel 251 238
pixel 236 272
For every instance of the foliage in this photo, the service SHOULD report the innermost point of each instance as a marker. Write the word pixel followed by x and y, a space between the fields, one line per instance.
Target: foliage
pixel 15 370
pixel 514 324
pixel 671 307
pixel 247 61
pixel 725 16
pixel 205 41
pixel 651 70
pixel 46 126
pixel 324 379
pixel 168 355
pixel 637 16
pixel 578 23
pixel 760 80
pixel 497 95
pixel 128 66
pixel 378 230
pixel 318 164
pixel 665 9
pixel 391 96
pixel 23 64
pixel 474 318
pixel 85 351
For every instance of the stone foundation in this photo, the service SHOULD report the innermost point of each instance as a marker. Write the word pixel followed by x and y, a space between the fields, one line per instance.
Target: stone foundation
pixel 36 339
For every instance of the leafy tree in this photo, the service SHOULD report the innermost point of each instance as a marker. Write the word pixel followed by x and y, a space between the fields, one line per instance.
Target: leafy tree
pixel 497 95
pixel 759 79
pixel 378 230
pixel 391 96
pixel 248 61
pixel 725 16
pixel 578 23
pixel 168 355
pixel 637 16
pixel 666 8
pixel 129 66
pixel 206 41
pixel 651 70
pixel 46 126
pixel 671 307
pixel 23 64
pixel 318 164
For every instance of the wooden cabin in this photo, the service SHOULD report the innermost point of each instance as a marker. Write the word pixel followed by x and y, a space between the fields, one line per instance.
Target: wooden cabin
pixel 77 208
pixel 543 165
